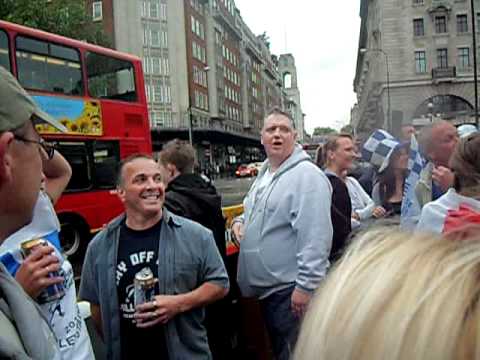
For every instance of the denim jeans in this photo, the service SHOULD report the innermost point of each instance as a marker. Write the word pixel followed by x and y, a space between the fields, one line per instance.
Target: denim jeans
pixel 282 325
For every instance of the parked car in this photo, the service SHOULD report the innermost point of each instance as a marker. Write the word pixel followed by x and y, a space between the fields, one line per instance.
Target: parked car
pixel 245 171
pixel 256 165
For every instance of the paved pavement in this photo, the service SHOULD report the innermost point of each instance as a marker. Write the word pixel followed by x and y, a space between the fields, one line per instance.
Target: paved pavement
pixel 233 190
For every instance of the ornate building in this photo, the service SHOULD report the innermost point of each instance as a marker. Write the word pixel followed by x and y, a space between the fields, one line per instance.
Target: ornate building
pixel 414 64
pixel 208 77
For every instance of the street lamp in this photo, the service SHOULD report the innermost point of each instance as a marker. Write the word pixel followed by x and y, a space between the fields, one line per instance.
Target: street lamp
pixel 474 43
pixel 364 51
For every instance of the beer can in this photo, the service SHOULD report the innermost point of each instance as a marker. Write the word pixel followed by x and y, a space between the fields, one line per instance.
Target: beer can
pixel 52 292
pixel 144 285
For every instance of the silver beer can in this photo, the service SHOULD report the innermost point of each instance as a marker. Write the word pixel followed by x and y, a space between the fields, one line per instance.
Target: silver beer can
pixel 144 285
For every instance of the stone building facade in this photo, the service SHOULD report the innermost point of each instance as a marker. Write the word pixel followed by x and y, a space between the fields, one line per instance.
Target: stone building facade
pixel 205 71
pixel 288 72
pixel 414 64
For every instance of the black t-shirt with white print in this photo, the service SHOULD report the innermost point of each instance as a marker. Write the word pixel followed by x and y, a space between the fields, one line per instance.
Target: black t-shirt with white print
pixel 136 251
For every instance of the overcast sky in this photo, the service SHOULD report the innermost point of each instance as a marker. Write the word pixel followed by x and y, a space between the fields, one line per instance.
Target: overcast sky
pixel 323 38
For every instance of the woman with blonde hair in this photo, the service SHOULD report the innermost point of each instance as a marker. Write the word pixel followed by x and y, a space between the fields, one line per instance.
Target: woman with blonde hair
pixel 397 296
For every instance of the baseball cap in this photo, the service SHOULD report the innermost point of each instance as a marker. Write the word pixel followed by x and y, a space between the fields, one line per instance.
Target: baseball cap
pixel 17 107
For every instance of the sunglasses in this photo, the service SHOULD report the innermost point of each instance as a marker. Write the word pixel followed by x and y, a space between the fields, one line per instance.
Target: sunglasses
pixel 47 147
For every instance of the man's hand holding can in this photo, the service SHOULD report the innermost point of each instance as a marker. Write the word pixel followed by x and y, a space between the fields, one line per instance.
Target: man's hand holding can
pixel 39 271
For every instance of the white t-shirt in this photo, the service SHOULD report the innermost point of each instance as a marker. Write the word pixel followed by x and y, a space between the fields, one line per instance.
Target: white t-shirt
pixel 435 213
pixel 362 204
pixel 63 314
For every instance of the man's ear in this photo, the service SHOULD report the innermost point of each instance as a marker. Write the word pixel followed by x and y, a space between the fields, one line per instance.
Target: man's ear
pixel 121 193
pixel 172 170
pixel 6 140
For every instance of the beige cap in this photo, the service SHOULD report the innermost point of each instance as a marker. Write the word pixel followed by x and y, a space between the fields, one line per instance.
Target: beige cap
pixel 17 107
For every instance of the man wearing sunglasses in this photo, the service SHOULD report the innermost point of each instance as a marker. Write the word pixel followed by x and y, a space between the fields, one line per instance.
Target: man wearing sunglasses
pixel 23 155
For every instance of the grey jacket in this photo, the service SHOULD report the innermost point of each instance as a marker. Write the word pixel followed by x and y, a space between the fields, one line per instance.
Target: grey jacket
pixel 187 259
pixel 288 229
pixel 24 332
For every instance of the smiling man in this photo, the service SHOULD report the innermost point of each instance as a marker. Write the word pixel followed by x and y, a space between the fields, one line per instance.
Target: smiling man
pixel 285 233
pixel 180 253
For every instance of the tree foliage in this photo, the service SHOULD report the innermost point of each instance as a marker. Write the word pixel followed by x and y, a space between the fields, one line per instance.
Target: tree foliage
pixel 347 129
pixel 63 17
pixel 323 131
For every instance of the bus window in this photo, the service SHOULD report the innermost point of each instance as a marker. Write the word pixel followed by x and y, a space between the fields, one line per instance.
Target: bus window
pixel 76 153
pixel 49 67
pixel 4 58
pixel 110 78
pixel 106 156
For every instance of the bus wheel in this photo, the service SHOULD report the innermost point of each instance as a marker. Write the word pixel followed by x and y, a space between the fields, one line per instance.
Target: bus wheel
pixel 70 238
pixel 73 237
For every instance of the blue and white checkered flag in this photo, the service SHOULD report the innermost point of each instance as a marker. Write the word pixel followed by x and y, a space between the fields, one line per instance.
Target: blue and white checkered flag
pixel 378 148
pixel 410 207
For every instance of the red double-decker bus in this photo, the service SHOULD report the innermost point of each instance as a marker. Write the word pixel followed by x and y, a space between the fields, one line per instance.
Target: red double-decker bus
pixel 99 95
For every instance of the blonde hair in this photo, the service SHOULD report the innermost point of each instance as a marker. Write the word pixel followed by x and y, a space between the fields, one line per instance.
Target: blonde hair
pixel 330 145
pixel 397 296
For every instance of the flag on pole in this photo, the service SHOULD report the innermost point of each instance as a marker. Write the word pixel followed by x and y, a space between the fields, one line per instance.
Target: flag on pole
pixel 411 210
pixel 378 148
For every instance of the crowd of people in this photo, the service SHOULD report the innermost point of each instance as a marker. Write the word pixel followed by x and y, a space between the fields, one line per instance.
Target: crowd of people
pixel 328 249
pixel 323 248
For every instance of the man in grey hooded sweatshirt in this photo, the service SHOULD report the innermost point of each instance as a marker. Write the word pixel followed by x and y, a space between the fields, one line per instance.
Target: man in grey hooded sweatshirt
pixel 285 233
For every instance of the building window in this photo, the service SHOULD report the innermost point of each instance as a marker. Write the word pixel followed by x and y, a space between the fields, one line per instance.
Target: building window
pixel 147 90
pixel 165 39
pixel 194 49
pixel 417 2
pixel 462 24
pixel 192 21
pixel 153 118
pixel 464 57
pixel 442 58
pixel 158 93
pixel 163 11
pixel 420 62
pixel 168 94
pixel 97 11
pixel 166 67
pixel 418 28
pixel 145 63
pixel 145 36
pixel 155 38
pixel 440 24
pixel 155 67
pixel 154 10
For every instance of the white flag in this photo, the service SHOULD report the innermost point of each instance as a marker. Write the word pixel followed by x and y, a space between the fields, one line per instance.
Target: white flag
pixel 410 207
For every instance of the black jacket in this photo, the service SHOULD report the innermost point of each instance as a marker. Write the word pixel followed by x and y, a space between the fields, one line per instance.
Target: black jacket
pixel 341 212
pixel 190 196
